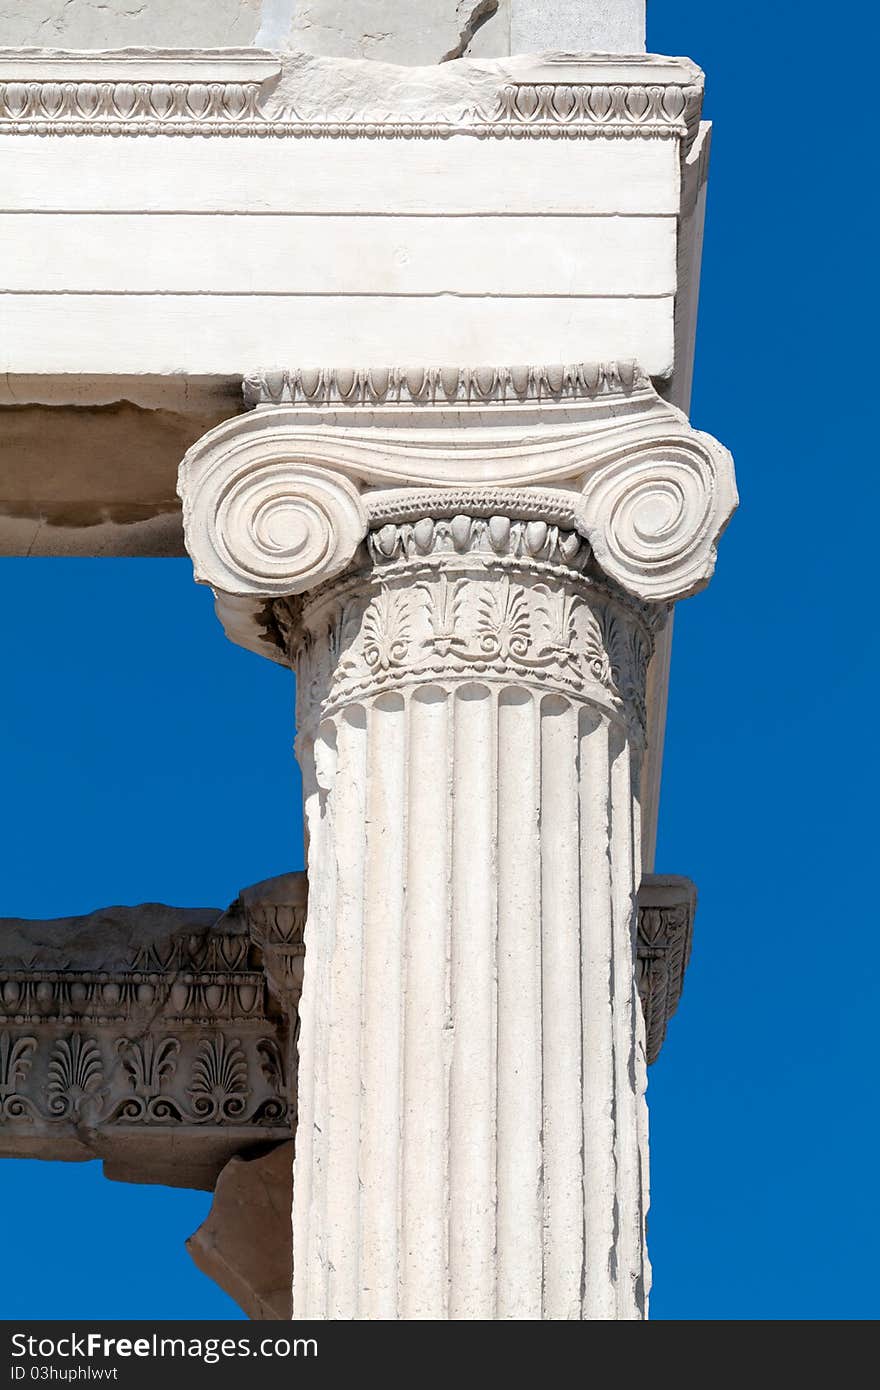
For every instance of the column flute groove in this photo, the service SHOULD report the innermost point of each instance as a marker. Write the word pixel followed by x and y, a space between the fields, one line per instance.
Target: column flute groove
pixel 345 992
pixel 426 1065
pixel 563 1218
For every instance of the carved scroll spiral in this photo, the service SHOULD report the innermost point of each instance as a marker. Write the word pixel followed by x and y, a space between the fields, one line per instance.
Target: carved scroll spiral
pixel 269 526
pixel 654 517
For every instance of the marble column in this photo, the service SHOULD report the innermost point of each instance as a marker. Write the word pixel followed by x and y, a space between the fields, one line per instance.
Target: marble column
pixel 470 716
pixel 471 644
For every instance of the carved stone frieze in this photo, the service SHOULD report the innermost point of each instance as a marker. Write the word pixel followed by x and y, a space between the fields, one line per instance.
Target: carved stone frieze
pixel 131 107
pixel 238 92
pixel 655 109
pixel 665 932
pixel 275 913
pixel 147 1036
pixel 157 1106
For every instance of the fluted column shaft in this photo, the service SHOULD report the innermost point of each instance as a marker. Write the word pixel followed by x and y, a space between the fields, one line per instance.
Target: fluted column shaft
pixel 471 1137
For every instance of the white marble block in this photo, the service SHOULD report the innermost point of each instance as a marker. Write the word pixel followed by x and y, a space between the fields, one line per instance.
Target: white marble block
pixel 197 213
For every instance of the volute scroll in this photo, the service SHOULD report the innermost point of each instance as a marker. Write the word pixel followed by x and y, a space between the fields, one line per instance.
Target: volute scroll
pixel 654 515
pixel 260 521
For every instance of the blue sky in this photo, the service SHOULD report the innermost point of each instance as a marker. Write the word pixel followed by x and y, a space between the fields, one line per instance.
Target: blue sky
pixel 129 724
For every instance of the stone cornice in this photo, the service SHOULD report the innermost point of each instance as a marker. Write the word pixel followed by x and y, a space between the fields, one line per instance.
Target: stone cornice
pixel 255 93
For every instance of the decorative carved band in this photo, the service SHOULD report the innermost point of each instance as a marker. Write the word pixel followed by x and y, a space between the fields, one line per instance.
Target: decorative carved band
pixel 400 505
pixel 129 108
pixel 470 598
pixel 460 534
pixel 174 1037
pixel 193 980
pixel 658 110
pixel 78 95
pixel 667 906
pixel 413 386
pixel 275 912
pixel 152 1078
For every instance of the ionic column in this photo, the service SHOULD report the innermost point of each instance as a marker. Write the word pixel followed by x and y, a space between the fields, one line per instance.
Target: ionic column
pixel 471 670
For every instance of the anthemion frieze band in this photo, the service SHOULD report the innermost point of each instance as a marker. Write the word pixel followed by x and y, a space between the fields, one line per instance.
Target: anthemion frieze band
pixel 414 346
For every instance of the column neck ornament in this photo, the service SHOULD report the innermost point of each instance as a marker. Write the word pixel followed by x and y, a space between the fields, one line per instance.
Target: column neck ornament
pixel 464 597
pixel 280 501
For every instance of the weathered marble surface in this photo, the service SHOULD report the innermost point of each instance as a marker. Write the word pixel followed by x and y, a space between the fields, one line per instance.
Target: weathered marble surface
pixel 244 1245
pixel 257 208
pixel 246 1242
pixel 395 31
pixel 149 1036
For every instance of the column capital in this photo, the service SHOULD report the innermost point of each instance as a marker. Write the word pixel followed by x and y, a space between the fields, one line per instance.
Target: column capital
pixel 278 501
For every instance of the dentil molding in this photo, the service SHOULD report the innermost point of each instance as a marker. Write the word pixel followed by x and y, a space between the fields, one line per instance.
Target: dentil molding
pixel 278 501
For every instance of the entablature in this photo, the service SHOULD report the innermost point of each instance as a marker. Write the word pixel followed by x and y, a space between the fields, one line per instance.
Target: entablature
pixel 256 207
